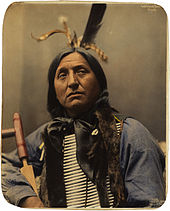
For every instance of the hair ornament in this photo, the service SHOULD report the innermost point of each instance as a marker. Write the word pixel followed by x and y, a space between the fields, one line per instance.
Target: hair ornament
pixel 87 41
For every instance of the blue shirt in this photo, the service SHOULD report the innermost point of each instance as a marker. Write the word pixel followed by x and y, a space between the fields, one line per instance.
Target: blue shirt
pixel 141 160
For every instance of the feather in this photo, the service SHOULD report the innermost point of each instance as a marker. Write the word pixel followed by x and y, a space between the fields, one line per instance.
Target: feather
pixel 94 23
pixel 62 19
pixel 47 35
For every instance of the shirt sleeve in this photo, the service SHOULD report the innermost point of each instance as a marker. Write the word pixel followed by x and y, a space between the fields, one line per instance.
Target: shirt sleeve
pixel 142 163
pixel 15 187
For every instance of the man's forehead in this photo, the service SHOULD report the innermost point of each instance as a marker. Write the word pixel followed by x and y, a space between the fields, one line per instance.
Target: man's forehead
pixel 73 59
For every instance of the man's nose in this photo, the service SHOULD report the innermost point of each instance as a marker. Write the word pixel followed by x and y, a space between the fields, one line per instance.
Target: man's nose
pixel 72 81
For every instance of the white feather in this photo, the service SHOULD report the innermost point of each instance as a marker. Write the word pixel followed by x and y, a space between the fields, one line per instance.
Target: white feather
pixel 62 19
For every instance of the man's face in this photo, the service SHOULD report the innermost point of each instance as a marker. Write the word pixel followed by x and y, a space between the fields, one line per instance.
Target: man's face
pixel 76 85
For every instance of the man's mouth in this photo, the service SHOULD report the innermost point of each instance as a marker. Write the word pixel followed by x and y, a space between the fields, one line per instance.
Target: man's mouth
pixel 74 94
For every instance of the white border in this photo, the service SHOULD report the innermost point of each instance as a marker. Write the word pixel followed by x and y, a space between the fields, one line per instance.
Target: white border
pixel 4 4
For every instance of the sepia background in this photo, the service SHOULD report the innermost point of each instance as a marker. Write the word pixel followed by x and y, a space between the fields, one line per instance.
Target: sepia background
pixel 133 36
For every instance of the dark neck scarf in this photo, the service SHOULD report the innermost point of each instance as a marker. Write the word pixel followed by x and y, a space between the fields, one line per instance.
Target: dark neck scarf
pixel 87 136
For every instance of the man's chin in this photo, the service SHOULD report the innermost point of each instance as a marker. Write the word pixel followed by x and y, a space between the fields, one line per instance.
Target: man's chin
pixel 76 108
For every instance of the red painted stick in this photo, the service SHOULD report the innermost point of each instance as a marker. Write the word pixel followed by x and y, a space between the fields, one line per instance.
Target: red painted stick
pixel 26 170
pixel 21 146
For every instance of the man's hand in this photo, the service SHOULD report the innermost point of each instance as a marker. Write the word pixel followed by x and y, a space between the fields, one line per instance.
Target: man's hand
pixel 31 202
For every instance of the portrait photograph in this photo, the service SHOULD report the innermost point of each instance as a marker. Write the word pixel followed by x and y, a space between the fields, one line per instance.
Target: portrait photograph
pixel 84 105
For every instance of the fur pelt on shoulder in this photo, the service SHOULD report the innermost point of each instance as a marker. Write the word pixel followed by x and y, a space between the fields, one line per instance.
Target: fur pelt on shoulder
pixel 111 139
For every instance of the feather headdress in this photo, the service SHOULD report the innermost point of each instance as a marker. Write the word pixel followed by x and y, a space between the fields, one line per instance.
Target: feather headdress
pixel 86 41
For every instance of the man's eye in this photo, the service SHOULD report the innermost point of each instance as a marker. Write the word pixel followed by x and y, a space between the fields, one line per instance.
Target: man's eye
pixel 82 71
pixel 62 75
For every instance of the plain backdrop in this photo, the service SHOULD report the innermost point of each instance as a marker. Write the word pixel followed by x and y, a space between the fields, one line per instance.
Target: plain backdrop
pixel 133 36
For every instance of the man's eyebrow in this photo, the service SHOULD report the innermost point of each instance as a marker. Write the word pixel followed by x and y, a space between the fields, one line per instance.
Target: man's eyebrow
pixel 80 66
pixel 76 67
pixel 62 69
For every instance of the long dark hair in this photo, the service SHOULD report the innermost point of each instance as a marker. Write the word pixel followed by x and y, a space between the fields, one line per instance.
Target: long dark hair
pixel 53 106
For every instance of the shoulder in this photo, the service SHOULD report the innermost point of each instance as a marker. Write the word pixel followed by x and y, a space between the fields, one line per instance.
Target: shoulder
pixel 138 143
pixel 34 139
pixel 137 135
pixel 133 127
